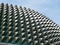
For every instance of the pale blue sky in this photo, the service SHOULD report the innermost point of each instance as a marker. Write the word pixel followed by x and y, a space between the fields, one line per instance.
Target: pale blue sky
pixel 50 8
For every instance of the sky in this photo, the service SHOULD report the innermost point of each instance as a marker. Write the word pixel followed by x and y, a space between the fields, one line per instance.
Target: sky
pixel 49 8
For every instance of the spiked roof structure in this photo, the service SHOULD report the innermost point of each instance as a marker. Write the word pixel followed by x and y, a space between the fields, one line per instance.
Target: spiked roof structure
pixel 22 26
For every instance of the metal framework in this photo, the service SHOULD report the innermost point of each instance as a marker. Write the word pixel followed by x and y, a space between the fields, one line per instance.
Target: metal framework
pixel 22 26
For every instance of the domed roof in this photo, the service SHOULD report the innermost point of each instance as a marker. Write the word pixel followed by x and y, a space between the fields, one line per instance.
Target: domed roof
pixel 22 26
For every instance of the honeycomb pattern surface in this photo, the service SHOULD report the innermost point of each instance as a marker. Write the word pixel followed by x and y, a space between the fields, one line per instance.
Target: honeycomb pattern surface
pixel 22 26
